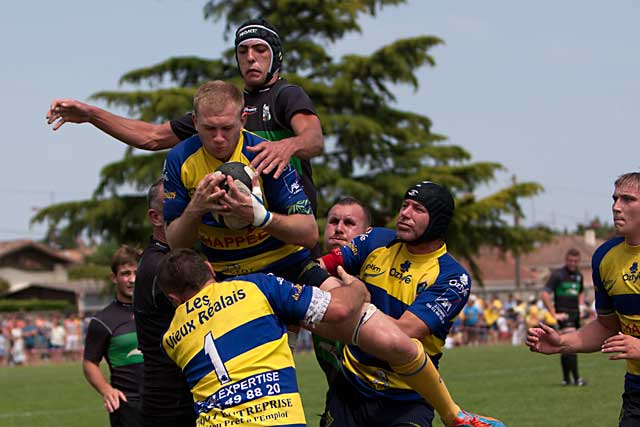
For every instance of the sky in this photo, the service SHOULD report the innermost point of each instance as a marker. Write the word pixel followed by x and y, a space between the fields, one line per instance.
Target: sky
pixel 551 90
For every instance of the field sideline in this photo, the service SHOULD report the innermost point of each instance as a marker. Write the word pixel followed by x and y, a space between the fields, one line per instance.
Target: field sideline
pixel 521 388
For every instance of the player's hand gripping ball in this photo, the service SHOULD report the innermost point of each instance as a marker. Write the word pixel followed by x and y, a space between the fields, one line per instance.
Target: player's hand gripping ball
pixel 241 175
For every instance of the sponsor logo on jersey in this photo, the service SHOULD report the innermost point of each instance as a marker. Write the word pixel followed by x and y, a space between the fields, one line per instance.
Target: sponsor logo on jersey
pixel 205 309
pixel 266 113
pixel 461 285
pixel 400 275
pixel 443 305
pixel 372 270
pixel 169 195
pixel 134 352
pixel 381 380
pixel 250 109
pixel 632 276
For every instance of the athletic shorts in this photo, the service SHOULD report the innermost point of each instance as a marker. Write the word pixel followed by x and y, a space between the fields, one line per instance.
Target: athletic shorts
pixel 347 407
pixel 573 321
pixel 188 419
pixel 127 415
pixel 630 413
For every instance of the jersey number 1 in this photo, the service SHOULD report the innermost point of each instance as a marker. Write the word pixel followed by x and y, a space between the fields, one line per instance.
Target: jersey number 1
pixel 218 366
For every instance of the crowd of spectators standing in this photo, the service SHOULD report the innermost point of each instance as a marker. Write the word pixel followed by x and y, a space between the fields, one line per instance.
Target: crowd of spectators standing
pixel 492 320
pixel 43 337
pixel 32 339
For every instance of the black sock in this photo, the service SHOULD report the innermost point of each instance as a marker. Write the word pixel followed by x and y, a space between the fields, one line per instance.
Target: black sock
pixel 573 365
pixel 566 367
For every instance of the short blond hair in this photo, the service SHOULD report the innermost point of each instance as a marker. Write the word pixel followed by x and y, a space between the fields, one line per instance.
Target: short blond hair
pixel 631 178
pixel 216 95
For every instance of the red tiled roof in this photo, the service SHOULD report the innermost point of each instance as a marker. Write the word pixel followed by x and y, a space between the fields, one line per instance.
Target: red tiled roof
pixel 10 246
pixel 499 267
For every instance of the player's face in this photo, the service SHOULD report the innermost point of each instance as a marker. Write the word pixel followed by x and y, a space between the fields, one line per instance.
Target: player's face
pixel 413 220
pixel 572 262
pixel 344 222
pixel 626 212
pixel 254 60
pixel 124 279
pixel 219 131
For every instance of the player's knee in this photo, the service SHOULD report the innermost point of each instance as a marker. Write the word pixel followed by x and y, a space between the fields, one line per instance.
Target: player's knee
pixel 398 346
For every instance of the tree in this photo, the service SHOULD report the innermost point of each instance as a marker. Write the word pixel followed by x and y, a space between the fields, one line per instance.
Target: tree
pixel 374 151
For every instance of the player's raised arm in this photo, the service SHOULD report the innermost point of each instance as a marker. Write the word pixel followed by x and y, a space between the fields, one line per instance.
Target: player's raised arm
pixel 136 133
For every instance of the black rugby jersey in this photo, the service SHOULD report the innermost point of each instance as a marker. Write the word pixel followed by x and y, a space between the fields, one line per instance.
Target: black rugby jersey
pixel 164 388
pixel 566 287
pixel 112 335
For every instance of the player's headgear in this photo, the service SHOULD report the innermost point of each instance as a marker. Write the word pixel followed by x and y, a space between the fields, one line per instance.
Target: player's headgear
pixel 259 29
pixel 439 203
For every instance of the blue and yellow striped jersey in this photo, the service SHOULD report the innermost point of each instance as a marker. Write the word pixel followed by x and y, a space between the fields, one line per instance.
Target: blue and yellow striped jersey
pixel 616 278
pixel 234 252
pixel 230 340
pixel 434 287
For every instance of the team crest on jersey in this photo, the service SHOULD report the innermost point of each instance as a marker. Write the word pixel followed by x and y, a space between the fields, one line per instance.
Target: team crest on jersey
pixel 421 287
pixel 298 292
pixel 404 267
pixel 266 113
pixel 353 248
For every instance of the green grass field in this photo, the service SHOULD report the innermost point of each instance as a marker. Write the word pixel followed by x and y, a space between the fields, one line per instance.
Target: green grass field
pixel 521 388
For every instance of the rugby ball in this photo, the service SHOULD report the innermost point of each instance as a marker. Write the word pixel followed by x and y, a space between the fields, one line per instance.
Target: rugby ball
pixel 242 180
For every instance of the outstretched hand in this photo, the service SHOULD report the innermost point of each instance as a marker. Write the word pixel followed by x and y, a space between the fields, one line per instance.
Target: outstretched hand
pixel 544 339
pixel 62 111
pixel 273 156
pixel 626 347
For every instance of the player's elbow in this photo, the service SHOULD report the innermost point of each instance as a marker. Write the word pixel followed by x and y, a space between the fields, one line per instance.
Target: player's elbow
pixel 159 137
pixel 310 239
pixel 317 147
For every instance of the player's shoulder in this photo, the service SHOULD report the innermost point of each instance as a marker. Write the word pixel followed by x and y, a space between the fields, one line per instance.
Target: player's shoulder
pixel 284 86
pixel 451 267
pixel 251 139
pixel 184 148
pixel 604 249
pixel 379 236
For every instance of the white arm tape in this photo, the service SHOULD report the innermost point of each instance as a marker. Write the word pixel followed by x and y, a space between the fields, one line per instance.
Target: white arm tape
pixel 365 316
pixel 317 308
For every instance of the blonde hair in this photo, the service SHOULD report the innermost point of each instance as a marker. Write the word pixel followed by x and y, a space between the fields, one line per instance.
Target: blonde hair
pixel 631 178
pixel 216 95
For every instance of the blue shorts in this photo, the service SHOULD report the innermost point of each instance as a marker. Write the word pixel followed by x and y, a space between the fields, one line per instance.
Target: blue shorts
pixel 347 407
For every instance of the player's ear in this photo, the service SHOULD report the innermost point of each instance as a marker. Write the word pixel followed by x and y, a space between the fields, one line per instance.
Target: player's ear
pixel 155 217
pixel 210 267
pixel 175 299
